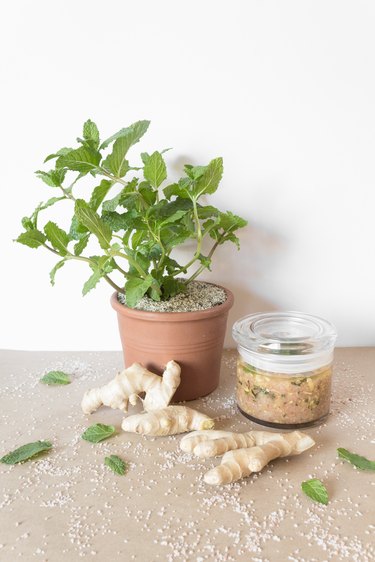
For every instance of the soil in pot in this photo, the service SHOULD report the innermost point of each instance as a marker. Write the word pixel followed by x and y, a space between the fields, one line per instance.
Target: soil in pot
pixel 189 328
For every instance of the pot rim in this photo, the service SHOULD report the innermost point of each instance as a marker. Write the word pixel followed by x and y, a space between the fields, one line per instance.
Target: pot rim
pixel 154 316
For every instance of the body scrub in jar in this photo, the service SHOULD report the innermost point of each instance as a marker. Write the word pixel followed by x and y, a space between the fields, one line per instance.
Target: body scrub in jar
pixel 284 369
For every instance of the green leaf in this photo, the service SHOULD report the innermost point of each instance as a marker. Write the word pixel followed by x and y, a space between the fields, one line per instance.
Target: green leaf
pixel 92 282
pixel 172 287
pixel 147 192
pixel 91 133
pixel 133 134
pixel 356 460
pixel 104 265
pixel 83 159
pixel 27 223
pixel 136 288
pixel 98 432
pixel 99 193
pixel 53 271
pixel 116 161
pixel 194 172
pixel 91 220
pixel 116 464
pixel 315 490
pixel 60 152
pixel 209 181
pixel 32 238
pixel 53 178
pixel 58 237
pixel 81 245
pixel 155 170
pixel 123 221
pixel 55 378
pixel 26 452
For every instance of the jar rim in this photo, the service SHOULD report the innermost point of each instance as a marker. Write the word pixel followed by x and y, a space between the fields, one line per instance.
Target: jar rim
pixel 287 333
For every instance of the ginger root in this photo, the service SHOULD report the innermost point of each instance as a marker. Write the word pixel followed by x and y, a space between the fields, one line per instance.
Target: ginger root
pixel 129 384
pixel 240 463
pixel 167 421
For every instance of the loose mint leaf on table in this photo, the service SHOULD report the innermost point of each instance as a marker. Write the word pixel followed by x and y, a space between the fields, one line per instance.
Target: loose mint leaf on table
pixel 26 452
pixel 116 464
pixel 98 432
pixel 356 460
pixel 315 490
pixel 55 378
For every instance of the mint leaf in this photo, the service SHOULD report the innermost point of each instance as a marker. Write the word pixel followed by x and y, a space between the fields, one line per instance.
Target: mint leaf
pixel 54 178
pixel 209 181
pixel 58 153
pixel 133 134
pixel 53 271
pixel 356 460
pixel 91 133
pixel 26 452
pixel 155 170
pixel 98 432
pixel 92 282
pixel 116 162
pixel 81 245
pixel 103 266
pixel 315 490
pixel 116 464
pixel 58 237
pixel 55 378
pixel 91 220
pixel 99 194
pixel 194 172
pixel 83 159
pixel 32 238
pixel 135 289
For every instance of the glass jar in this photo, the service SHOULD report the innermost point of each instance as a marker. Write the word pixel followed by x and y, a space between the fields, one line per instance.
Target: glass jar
pixel 284 369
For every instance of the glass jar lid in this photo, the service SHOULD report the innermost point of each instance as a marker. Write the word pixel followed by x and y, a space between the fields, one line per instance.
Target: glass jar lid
pixel 284 338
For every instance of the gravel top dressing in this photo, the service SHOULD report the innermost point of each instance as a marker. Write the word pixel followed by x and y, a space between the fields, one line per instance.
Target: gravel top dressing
pixel 199 296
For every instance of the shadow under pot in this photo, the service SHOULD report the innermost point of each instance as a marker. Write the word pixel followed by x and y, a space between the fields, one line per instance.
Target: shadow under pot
pixel 194 339
pixel 284 368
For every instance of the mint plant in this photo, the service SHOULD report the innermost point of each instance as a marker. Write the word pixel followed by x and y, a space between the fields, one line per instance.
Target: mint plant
pixel 136 222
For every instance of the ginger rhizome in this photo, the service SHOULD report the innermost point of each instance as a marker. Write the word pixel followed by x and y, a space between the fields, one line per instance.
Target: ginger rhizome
pixel 128 385
pixel 244 453
pixel 158 417
pixel 167 421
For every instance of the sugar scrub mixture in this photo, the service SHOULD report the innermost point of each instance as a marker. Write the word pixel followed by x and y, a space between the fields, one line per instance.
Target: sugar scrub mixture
pixel 283 399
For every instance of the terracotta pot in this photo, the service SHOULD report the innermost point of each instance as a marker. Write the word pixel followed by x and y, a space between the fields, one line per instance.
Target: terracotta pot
pixel 193 339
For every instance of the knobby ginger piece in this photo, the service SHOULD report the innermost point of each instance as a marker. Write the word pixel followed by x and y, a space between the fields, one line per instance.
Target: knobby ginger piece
pixel 215 443
pixel 130 383
pixel 167 421
pixel 240 463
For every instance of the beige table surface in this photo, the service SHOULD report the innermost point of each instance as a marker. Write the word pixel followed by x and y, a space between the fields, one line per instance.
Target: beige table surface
pixel 67 505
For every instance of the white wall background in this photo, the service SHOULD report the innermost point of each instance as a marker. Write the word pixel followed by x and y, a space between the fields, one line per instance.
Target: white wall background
pixel 284 91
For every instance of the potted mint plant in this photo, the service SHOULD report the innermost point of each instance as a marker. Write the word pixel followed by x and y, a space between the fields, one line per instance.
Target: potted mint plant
pixel 136 219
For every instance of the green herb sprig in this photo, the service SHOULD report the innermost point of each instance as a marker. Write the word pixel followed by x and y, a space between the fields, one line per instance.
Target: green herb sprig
pixel 133 214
